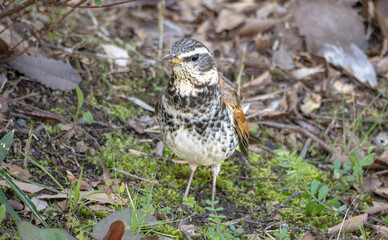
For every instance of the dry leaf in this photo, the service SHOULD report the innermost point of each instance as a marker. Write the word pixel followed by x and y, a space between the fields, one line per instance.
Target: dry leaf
pixel 283 59
pixel 18 171
pixel 382 192
pixel 329 22
pixel 258 26
pixel 350 225
pixel 382 66
pixel 381 11
pixel 137 153
pixel 378 207
pixel 311 103
pixel 352 60
pixel 228 20
pixel 39 204
pixel 51 73
pixel 308 236
pixel 26 187
pixel 11 37
pixel 381 231
pixel 343 87
pixel 116 52
pixel 371 183
pixel 303 73
pixel 98 207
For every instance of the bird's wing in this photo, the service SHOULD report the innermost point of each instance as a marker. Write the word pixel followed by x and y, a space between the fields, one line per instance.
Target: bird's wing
pixel 232 101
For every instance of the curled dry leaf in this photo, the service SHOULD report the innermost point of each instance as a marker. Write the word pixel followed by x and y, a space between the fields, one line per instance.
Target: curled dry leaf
pixel 382 192
pixel 311 103
pixel 228 20
pixel 343 87
pixel 258 26
pixel 350 225
pixel 378 207
pixel 352 60
pixel 51 73
pixel 303 73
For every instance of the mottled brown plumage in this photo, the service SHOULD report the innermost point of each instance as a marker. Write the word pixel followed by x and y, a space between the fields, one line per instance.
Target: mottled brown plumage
pixel 199 114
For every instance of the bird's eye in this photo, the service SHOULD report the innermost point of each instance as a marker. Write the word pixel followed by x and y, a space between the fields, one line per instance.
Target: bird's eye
pixel 194 57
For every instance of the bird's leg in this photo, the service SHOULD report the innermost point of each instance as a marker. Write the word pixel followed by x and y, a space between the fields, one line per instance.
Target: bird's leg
pixel 193 167
pixel 215 171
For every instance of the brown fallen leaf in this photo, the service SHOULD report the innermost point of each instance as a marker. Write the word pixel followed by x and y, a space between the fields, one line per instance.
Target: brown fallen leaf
pixel 228 20
pixel 258 26
pixel 381 11
pixel 343 87
pixel 382 192
pixel 304 73
pixel 18 171
pixel 378 207
pixel 137 153
pixel 308 236
pixel 311 103
pixel 98 207
pixel 371 183
pixel 51 73
pixel 350 225
pixel 26 187
pixel 381 231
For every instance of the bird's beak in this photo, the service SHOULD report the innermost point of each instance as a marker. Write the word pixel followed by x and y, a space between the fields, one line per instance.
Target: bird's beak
pixel 171 58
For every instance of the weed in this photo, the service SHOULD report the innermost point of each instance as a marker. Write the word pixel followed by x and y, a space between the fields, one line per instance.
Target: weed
pixel 355 164
pixel 220 232
pixel 282 235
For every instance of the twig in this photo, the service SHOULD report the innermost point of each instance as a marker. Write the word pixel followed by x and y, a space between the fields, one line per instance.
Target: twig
pixel 294 195
pixel 16 9
pixel 302 131
pixel 305 148
pixel 343 221
pixel 161 26
pixel 240 70
pixel 71 5
pixel 134 176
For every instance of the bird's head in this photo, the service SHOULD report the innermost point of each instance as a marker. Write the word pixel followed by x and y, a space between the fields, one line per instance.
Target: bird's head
pixel 192 63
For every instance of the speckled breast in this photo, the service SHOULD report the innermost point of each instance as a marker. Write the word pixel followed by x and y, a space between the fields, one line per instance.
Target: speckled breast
pixel 200 132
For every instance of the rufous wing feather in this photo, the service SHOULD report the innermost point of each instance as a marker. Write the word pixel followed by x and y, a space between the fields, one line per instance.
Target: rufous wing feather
pixel 232 101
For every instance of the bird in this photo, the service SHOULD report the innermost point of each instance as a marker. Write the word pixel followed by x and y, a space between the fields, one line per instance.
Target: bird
pixel 199 113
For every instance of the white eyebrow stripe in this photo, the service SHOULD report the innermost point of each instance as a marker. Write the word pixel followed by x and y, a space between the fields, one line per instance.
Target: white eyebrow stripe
pixel 200 50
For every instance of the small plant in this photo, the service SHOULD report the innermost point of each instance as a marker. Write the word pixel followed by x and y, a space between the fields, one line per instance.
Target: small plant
pixel 189 201
pixel 354 164
pixel 318 193
pixel 86 115
pixel 297 168
pixel 220 232
pixel 282 234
